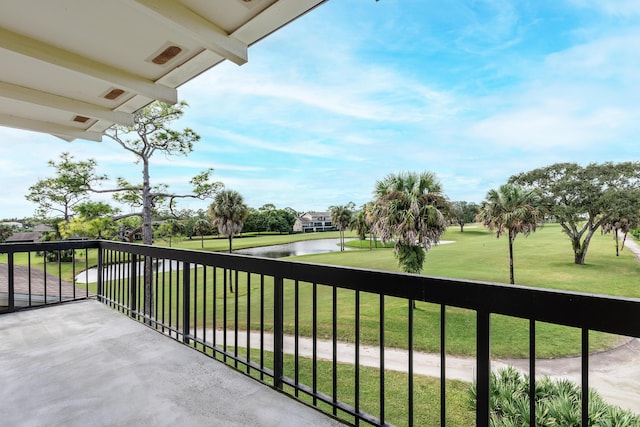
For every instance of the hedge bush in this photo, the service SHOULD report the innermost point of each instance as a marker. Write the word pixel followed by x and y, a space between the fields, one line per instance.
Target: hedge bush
pixel 558 403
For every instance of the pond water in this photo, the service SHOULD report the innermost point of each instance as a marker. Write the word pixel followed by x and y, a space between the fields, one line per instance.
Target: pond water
pixel 305 247
pixel 123 270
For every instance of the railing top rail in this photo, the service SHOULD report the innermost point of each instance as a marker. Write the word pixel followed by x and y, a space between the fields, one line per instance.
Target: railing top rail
pixel 604 313
pixel 6 248
pixel 618 315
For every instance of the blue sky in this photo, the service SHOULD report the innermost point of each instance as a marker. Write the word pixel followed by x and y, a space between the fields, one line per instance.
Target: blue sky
pixel 475 91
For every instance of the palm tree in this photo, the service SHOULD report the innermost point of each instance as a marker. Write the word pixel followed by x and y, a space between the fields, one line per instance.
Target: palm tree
pixel 369 208
pixel 512 209
pixel 359 223
pixel 341 218
pixel 228 213
pixel 408 209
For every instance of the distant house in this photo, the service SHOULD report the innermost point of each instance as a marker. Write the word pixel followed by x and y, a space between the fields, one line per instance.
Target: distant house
pixel 313 221
pixel 30 236
pixel 25 237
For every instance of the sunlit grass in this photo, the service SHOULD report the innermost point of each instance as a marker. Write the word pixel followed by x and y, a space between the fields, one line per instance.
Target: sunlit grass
pixel 426 391
pixel 544 259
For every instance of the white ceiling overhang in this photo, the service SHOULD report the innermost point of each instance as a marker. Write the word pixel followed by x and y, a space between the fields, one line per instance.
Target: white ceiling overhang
pixel 73 68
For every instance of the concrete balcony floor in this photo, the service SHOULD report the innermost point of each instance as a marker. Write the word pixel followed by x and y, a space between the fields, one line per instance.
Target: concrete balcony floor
pixel 86 364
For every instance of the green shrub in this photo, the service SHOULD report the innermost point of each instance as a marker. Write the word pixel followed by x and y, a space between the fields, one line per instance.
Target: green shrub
pixel 558 403
pixel 63 255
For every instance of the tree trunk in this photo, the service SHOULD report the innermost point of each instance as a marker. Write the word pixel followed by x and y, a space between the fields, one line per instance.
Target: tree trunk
pixel 147 233
pixel 147 238
pixel 580 249
pixel 616 233
pixel 230 273
pixel 511 239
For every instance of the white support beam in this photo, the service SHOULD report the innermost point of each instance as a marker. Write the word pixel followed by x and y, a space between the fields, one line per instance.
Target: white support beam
pixel 36 97
pixel 61 58
pixel 275 16
pixel 183 19
pixel 65 132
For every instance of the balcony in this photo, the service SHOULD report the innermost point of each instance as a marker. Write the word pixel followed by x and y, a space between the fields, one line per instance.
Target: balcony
pixel 193 350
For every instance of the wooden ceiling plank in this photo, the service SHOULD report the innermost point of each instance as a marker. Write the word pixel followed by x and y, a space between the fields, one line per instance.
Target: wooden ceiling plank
pixel 53 55
pixel 274 17
pixel 65 132
pixel 183 19
pixel 36 97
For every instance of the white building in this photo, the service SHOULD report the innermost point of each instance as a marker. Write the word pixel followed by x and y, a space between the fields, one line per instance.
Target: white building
pixel 313 221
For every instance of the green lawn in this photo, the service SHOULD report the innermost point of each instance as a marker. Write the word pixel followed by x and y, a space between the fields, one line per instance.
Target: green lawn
pixel 544 259
pixel 426 392
pixel 509 335
pixel 66 270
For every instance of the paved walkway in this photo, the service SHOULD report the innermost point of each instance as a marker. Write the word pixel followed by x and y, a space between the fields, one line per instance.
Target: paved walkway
pixel 631 245
pixel 615 373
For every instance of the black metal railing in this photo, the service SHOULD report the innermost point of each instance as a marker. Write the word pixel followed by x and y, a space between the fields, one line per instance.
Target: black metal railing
pixel 38 279
pixel 275 320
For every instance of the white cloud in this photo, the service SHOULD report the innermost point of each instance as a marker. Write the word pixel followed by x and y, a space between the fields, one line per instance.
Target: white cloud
pixel 600 60
pixel 627 8
pixel 541 129
pixel 582 97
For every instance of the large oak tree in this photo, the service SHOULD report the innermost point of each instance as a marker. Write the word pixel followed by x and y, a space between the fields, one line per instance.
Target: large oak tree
pixel 463 213
pixel 583 198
